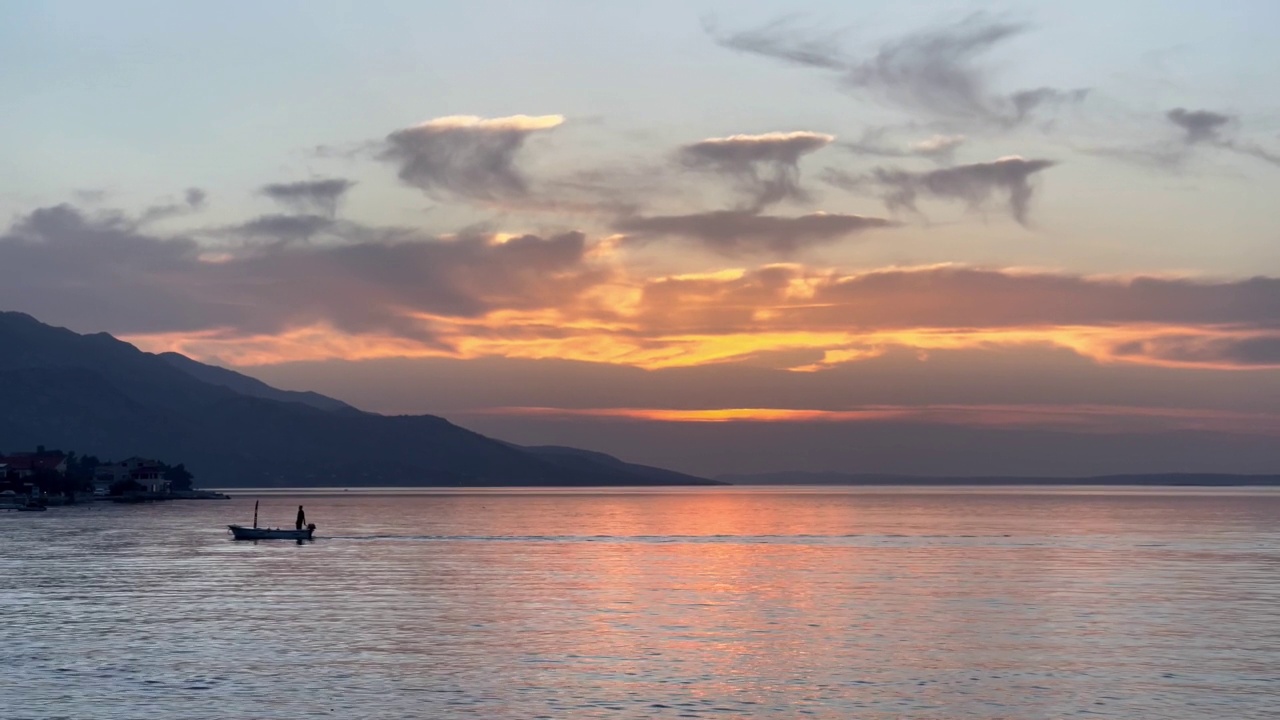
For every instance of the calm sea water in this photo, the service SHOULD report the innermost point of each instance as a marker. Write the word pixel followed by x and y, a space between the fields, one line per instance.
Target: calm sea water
pixel 687 603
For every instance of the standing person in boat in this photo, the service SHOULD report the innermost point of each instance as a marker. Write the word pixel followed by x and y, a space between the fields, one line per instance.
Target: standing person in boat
pixel 302 518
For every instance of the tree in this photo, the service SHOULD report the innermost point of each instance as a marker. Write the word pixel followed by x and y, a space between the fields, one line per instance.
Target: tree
pixel 179 477
pixel 80 470
pixel 53 482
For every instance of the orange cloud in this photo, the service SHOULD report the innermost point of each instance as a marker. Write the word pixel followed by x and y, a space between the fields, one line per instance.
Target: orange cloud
pixel 566 296
pixel 556 334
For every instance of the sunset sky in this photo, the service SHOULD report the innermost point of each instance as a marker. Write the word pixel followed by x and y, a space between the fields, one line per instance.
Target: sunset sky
pixel 927 237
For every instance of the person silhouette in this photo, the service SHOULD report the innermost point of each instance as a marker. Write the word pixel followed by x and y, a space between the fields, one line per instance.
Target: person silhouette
pixel 302 518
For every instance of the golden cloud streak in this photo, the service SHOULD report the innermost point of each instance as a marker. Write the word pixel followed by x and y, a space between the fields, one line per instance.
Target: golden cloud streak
pixel 735 314
pixel 1097 418
pixel 318 342
pixel 1101 344
pixel 547 334
pixel 513 122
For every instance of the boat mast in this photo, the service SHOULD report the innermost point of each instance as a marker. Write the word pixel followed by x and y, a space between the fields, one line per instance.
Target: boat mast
pixel 255 513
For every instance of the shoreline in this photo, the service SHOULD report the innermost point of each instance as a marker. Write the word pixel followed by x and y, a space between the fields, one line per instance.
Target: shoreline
pixel 130 499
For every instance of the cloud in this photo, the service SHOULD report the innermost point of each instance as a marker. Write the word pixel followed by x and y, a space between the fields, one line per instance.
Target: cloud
pixel 780 41
pixel 1204 127
pixel 320 196
pixel 531 296
pixel 938 147
pixel 1199 129
pixel 767 165
pixel 285 229
pixel 956 297
pixel 720 317
pixel 1261 350
pixel 1200 125
pixel 1025 102
pixel 193 200
pixel 101 272
pixel 1256 151
pixel 973 184
pixel 465 155
pixel 934 72
pixel 91 196
pixel 736 232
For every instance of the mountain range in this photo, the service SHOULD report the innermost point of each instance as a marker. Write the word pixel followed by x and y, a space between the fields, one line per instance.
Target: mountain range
pixel 100 396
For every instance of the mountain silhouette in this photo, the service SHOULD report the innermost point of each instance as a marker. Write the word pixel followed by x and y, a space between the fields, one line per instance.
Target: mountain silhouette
pixel 100 396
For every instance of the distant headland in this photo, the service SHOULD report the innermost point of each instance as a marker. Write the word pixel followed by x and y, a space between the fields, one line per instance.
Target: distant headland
pixel 107 398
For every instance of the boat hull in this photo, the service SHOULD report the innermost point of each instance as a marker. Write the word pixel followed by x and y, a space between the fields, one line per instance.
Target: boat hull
pixel 244 533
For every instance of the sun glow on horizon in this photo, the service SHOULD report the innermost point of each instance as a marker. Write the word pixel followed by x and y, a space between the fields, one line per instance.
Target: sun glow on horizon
pixel 1081 417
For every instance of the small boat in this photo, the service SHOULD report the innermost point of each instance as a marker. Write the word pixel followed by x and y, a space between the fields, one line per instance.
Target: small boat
pixel 254 533
pixel 239 532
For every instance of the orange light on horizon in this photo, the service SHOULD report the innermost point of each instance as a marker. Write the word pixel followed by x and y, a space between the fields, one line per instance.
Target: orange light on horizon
pixel 1087 417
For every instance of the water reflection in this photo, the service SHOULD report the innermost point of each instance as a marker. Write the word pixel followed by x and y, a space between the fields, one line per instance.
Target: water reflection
pixel 706 603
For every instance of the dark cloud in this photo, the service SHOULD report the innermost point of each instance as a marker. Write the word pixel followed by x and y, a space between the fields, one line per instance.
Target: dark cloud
pixel 97 272
pixel 466 156
pixel 321 196
pixel 1248 351
pixel 767 165
pixel 193 200
pixel 1025 102
pixel 973 184
pixel 284 228
pixel 958 297
pixel 781 41
pixel 347 151
pixel 1161 156
pixel 1200 125
pixel 1261 350
pixel 735 232
pixel 100 271
pixel 1200 129
pixel 935 72
pixel 1256 151
pixel 1204 127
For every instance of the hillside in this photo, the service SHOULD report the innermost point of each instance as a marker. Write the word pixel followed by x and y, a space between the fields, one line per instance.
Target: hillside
pixel 97 395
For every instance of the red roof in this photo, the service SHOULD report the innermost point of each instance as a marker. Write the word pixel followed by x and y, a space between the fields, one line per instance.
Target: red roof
pixel 31 461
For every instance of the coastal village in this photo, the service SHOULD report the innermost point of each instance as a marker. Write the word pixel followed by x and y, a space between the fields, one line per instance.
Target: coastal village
pixel 35 480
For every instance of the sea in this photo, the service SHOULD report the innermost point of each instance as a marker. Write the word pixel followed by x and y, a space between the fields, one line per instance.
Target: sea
pixel 709 602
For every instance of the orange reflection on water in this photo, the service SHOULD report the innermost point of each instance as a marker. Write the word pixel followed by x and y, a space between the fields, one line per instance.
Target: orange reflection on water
pixel 659 603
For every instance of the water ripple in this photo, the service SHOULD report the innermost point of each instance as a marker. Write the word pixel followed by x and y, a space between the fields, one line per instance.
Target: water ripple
pixel 693 604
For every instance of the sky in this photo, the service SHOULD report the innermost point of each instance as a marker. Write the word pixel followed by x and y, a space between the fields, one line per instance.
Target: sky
pixel 721 237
